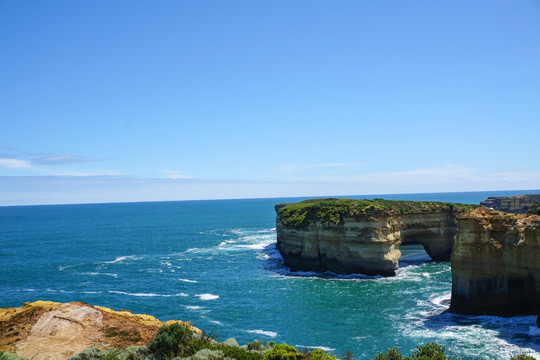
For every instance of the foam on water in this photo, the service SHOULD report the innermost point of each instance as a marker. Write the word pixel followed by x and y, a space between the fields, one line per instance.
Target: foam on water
pixel 146 294
pixel 187 281
pixel 323 348
pixel 206 297
pixel 271 334
pixel 122 259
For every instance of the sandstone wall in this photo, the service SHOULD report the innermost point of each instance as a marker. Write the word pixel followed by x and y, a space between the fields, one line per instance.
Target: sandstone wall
pixel 513 204
pixel 365 244
pixel 496 264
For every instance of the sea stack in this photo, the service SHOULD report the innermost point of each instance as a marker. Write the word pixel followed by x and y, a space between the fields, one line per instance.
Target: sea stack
pixel 347 236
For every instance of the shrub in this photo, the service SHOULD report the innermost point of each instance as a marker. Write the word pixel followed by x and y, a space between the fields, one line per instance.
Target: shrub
pixel 208 354
pixel 283 352
pixel 522 357
pixel 110 356
pixel 88 354
pixel 392 353
pixel 255 345
pixel 171 341
pixel 430 351
pixel 318 354
pixel 240 354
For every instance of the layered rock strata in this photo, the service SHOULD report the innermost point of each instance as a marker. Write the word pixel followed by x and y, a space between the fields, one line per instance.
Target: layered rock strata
pixel 362 236
pixel 496 264
pixel 513 204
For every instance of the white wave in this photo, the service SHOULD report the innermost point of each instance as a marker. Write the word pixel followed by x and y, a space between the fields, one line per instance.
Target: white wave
pixel 58 291
pixel 226 242
pixel 262 332
pixel 99 273
pixel 166 263
pixel 206 297
pixel 91 292
pixel 323 348
pixel 145 294
pixel 187 280
pixel 441 300
pixel 122 258
pixel 181 294
pixel 215 322
pixel 193 307
pixel 484 336
pixel 154 271
pixel 28 290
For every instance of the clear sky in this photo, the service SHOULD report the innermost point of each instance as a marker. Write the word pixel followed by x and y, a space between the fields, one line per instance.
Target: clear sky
pixel 169 100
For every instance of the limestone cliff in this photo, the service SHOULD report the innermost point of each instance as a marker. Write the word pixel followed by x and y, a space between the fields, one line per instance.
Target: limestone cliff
pixel 45 330
pixel 496 264
pixel 362 236
pixel 513 204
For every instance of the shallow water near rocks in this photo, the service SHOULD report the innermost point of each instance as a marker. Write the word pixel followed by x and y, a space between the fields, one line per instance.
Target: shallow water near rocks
pixel 214 263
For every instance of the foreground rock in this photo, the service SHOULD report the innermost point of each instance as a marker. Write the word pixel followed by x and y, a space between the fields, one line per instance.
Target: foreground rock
pixel 513 204
pixel 496 264
pixel 48 330
pixel 363 236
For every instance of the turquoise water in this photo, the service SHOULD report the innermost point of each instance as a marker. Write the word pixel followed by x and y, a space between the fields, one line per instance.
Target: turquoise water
pixel 214 263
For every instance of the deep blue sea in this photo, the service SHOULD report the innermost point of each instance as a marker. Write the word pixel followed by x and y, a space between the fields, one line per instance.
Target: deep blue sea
pixel 214 263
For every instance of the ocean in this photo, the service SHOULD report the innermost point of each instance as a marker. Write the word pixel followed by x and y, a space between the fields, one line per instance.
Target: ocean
pixel 214 263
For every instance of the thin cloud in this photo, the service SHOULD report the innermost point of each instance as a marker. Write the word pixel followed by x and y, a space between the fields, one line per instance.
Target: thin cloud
pixel 60 159
pixel 291 168
pixel 11 163
pixel 174 175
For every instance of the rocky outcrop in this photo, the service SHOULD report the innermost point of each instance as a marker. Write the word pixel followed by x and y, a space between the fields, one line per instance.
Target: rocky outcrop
pixel 496 264
pixel 362 236
pixel 45 330
pixel 513 204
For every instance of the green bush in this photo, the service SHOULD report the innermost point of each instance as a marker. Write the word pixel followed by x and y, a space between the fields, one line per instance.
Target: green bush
pixel 283 352
pixel 430 351
pixel 318 354
pixel 392 353
pixel 522 357
pixel 255 346
pixel 171 341
pixel 110 356
pixel 88 354
pixel 240 354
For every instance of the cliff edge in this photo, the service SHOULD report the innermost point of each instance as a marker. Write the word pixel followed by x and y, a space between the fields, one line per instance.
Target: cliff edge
pixel 520 204
pixel 363 236
pixel 46 330
pixel 496 264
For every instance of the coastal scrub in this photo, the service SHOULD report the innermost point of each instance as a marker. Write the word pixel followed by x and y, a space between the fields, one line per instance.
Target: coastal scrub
pixel 331 211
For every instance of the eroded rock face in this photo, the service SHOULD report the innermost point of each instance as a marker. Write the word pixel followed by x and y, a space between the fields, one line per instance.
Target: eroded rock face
pixel 45 330
pixel 365 244
pixel 496 264
pixel 513 204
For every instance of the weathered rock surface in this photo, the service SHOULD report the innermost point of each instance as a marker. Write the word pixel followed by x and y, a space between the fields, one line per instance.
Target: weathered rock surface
pixel 45 330
pixel 496 264
pixel 362 236
pixel 513 204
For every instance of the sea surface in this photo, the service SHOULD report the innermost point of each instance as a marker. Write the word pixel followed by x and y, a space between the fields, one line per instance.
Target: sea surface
pixel 214 263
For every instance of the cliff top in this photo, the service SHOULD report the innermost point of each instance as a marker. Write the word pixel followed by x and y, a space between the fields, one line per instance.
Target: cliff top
pixel 331 211
pixel 51 330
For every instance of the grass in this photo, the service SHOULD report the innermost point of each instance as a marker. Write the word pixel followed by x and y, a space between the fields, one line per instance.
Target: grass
pixel 331 211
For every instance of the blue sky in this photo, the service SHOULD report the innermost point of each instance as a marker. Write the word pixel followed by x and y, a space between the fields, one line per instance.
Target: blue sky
pixel 141 100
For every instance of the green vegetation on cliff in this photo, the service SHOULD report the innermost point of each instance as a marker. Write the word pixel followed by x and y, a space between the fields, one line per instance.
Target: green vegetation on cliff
pixel 535 209
pixel 331 211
